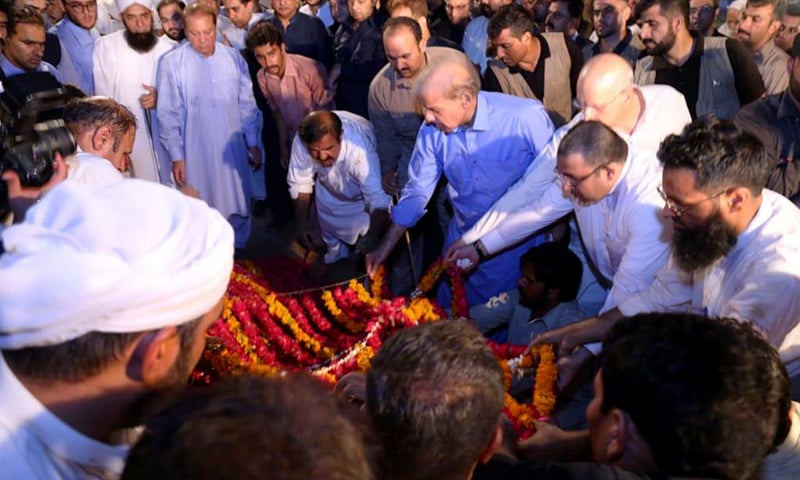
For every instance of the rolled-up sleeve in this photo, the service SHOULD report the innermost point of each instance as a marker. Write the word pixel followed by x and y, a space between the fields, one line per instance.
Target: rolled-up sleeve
pixel 301 170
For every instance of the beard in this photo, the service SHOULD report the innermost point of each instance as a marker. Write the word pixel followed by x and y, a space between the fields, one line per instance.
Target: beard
pixel 141 42
pixel 701 246
pixel 661 48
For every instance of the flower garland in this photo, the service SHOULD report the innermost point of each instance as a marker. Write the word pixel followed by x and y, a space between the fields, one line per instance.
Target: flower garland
pixel 264 334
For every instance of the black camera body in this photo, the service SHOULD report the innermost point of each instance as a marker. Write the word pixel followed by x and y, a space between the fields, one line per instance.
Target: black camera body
pixel 32 129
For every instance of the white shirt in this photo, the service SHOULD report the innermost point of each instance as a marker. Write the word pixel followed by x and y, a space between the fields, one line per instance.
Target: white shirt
pixel 35 444
pixel 758 280
pixel 349 189
pixel 90 169
pixel 784 464
pixel 509 220
pixel 476 38
pixel 119 73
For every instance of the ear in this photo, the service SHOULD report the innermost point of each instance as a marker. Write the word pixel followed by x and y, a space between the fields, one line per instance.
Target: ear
pixel 155 356
pixel 283 48
pixel 493 445
pixel 737 198
pixel 618 435
pixel 774 26
pixel 101 136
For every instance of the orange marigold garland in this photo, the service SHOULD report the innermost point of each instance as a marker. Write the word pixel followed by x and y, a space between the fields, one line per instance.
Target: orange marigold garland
pixel 262 333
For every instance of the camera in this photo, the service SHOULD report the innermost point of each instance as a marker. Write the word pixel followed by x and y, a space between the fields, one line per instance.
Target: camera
pixel 31 129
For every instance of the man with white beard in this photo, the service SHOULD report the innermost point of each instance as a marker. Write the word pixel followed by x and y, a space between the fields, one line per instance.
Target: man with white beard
pixel 125 65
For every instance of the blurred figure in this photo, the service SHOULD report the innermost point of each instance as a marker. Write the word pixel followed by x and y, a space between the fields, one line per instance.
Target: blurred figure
pixel 790 25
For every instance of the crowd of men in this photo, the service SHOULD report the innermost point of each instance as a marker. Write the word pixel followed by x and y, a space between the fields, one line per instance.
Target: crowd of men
pixel 617 178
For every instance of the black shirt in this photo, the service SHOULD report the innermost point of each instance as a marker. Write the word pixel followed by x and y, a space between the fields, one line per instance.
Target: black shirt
pixel 686 78
pixel 535 79
pixel 307 36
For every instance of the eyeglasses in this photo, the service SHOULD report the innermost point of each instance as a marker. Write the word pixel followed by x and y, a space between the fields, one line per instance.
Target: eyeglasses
pixel 705 9
pixel 575 182
pixel 81 7
pixel 581 106
pixel 679 210
pixel 789 30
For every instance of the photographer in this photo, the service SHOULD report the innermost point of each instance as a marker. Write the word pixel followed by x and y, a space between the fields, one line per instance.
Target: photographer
pixel 23 49
pixel 104 131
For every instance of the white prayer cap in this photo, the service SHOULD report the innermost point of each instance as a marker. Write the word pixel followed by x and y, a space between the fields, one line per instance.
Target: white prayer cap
pixel 128 257
pixel 122 5
pixel 738 5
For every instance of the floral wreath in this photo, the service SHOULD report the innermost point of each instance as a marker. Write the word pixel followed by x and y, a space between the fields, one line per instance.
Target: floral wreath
pixel 333 331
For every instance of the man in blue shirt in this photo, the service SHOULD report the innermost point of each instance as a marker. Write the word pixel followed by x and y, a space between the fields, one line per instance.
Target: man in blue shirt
pixel 482 143
pixel 77 34
pixel 23 50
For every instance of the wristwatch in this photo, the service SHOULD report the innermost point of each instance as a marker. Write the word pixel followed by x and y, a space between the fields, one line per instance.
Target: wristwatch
pixel 480 249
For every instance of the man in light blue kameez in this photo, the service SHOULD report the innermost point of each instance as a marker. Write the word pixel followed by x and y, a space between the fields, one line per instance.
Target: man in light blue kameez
pixel 77 33
pixel 482 143
pixel 209 122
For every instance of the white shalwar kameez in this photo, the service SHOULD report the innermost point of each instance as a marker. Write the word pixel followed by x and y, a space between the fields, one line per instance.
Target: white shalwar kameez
pixel 348 191
pixel 208 117
pixel 119 73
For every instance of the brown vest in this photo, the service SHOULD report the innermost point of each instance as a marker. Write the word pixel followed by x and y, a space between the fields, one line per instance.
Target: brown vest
pixel 716 93
pixel 557 93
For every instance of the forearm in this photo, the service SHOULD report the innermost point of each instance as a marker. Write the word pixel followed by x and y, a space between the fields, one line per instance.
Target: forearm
pixel 301 206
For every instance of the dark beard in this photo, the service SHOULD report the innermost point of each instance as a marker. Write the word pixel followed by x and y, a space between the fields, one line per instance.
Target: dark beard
pixel 141 42
pixel 700 247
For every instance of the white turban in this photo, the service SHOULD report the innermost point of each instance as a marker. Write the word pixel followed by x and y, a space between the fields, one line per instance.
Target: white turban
pixel 122 5
pixel 127 257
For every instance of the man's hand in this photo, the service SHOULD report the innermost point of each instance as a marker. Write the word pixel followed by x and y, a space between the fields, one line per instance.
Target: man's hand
pixel 21 198
pixel 254 157
pixel 150 99
pixel 304 234
pixel 391 183
pixel 179 172
pixel 459 251
pixel 551 443
pixel 570 365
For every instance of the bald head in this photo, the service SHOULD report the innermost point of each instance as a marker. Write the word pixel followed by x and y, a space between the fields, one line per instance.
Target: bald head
pixel 606 92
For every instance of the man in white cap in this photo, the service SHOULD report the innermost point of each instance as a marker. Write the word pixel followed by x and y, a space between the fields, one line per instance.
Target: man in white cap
pixel 101 313
pixel 125 65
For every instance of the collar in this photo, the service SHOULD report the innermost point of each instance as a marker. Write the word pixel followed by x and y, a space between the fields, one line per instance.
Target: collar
pixel 289 68
pixel 481 121
pixel 765 52
pixel 621 46
pixel 544 53
pixel 788 106
pixel 557 311
pixel 22 411
pixel 697 51
pixel 626 167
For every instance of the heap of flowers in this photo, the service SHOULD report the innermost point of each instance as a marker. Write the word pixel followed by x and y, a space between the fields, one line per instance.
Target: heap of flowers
pixel 333 331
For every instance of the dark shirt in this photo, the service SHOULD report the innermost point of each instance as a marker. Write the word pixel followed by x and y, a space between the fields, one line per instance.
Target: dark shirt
pixel 361 56
pixel 306 36
pixel 52 49
pixel 535 79
pixel 775 120
pixel 439 25
pixel 437 41
pixel 621 46
pixel 686 78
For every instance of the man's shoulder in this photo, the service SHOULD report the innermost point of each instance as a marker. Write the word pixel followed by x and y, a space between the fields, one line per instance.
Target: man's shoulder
pixel 477 26
pixel 90 169
pixel 110 39
pixel 761 112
